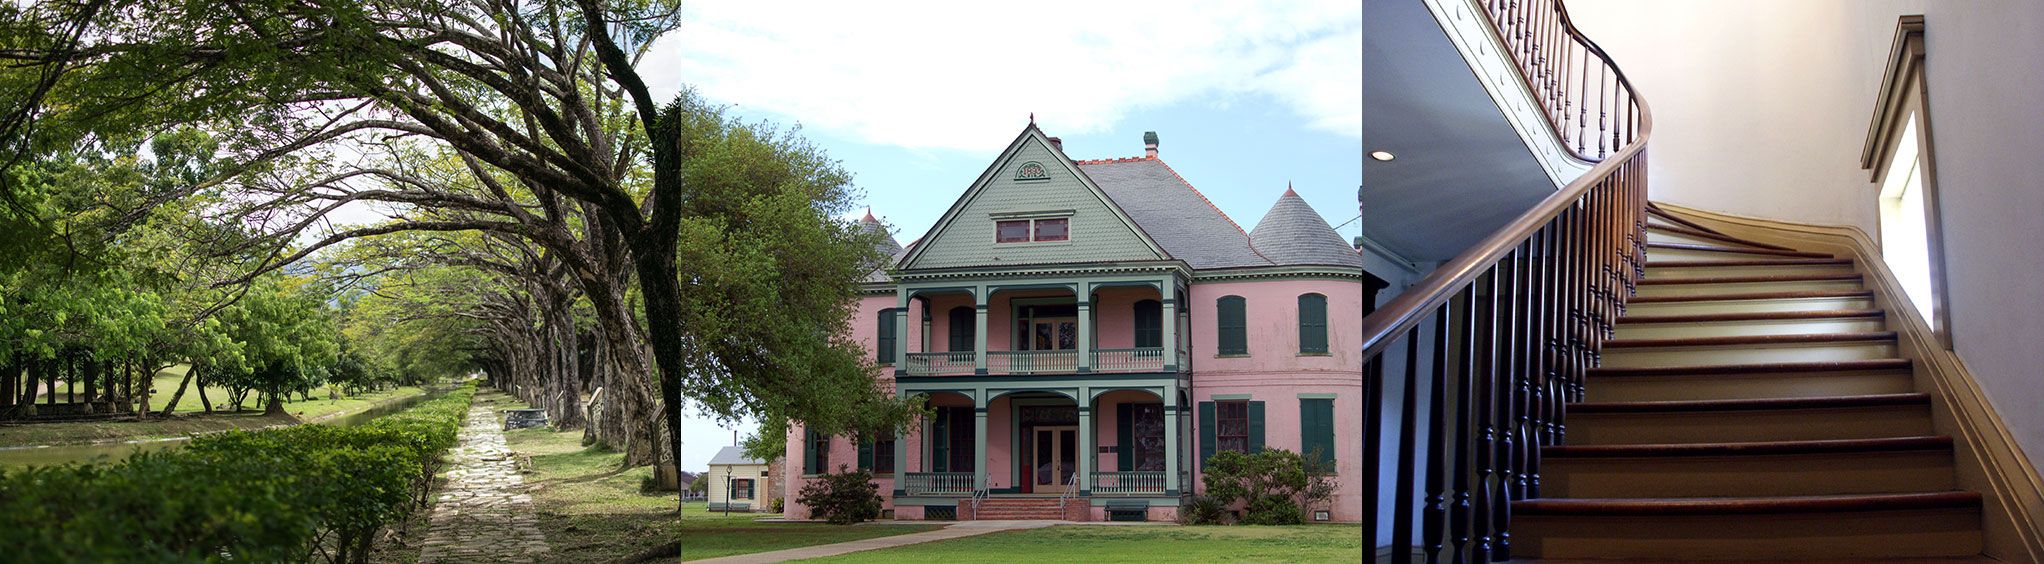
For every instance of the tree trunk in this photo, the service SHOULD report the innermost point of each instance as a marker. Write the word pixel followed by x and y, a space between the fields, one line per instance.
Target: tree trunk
pixel 276 404
pixel 201 383
pixel 180 393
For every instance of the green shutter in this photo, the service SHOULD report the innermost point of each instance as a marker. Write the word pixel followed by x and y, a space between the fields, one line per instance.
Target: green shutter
pixel 1255 426
pixel 1313 324
pixel 866 453
pixel 885 343
pixel 1316 428
pixel 1125 429
pixel 809 452
pixel 1206 432
pixel 1232 319
pixel 940 441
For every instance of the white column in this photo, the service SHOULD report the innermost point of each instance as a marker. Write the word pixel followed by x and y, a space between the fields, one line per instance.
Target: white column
pixel 1085 290
pixel 1168 318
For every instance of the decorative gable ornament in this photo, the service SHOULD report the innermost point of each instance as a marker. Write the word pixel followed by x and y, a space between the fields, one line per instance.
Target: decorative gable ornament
pixel 1031 170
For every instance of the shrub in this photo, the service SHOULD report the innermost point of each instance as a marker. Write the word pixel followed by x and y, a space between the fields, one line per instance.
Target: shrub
pixel 779 505
pixel 843 498
pixel 304 493
pixel 1273 486
pixel 1203 510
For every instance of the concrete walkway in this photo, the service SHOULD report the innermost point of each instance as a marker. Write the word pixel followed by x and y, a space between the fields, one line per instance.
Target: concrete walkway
pixel 960 530
pixel 480 517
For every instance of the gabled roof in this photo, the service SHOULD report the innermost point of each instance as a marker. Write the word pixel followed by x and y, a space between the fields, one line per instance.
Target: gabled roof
pixel 1173 213
pixel 1292 234
pixel 732 455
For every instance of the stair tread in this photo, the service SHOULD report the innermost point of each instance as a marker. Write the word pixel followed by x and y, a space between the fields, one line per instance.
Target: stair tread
pixel 1756 279
pixel 1773 505
pixel 1750 448
pixel 1736 340
pixel 1754 316
pixel 1756 296
pixel 1698 233
pixel 1739 250
pixel 1762 404
pixel 1702 369
pixel 1652 264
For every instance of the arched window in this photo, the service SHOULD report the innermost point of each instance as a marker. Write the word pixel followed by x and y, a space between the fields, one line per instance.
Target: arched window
pixel 963 325
pixel 1312 324
pixel 885 341
pixel 1233 323
pixel 1149 328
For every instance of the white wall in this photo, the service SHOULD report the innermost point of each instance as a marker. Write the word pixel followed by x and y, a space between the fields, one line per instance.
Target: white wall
pixel 1761 108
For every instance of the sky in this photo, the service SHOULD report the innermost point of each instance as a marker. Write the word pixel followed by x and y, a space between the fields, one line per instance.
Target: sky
pixel 917 98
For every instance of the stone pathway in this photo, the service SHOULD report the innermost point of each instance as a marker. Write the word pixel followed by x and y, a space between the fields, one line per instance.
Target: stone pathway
pixel 960 530
pixel 481 516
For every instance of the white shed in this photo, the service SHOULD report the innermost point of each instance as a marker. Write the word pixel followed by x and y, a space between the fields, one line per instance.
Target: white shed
pixel 737 482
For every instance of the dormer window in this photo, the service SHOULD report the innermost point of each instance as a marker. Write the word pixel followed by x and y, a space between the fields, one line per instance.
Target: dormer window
pixel 1038 230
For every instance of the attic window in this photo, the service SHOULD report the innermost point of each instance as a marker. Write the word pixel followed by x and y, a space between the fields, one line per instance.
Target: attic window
pixel 1031 170
pixel 1044 230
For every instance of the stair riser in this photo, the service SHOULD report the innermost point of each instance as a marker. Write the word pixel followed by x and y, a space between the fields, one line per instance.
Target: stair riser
pixel 1748 426
pixel 1749 328
pixel 1741 306
pixel 1686 273
pixel 1645 290
pixel 1837 536
pixel 1746 354
pixel 1737 476
pixel 1746 386
pixel 1662 254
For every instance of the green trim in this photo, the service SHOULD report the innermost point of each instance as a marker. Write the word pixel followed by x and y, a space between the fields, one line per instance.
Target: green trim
pixel 1044 214
pixel 1256 426
pixel 979 185
pixel 1230 397
pixel 1318 396
pixel 1335 272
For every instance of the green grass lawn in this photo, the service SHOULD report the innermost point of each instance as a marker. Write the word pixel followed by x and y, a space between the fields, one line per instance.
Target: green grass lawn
pixel 189 418
pixel 1099 543
pixel 592 512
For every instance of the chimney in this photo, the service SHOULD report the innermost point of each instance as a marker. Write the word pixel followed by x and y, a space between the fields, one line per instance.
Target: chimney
pixel 1359 241
pixel 1058 144
pixel 1150 144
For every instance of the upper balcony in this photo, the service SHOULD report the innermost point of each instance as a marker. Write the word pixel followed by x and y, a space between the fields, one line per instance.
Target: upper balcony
pixel 1070 326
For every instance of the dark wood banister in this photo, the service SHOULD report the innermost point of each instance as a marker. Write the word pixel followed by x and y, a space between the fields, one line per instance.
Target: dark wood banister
pixel 1532 305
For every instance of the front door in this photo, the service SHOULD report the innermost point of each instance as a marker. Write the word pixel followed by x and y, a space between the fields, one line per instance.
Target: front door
pixel 1056 453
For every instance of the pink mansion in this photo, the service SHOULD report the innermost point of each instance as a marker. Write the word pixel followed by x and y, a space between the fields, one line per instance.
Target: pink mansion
pixel 1088 331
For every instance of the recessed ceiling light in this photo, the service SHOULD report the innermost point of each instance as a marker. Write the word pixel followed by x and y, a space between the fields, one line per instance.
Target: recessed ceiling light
pixel 1382 155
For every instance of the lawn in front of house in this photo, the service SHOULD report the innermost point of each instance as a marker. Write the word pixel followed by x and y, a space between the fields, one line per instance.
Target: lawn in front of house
pixel 190 419
pixel 591 511
pixel 1108 543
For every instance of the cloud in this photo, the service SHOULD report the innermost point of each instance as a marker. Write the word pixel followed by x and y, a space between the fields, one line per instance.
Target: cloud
pixel 965 75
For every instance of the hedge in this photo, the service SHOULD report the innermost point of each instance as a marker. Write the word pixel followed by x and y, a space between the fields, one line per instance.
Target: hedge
pixel 295 494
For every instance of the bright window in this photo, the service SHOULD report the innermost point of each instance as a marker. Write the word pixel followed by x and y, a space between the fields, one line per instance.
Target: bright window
pixel 1905 237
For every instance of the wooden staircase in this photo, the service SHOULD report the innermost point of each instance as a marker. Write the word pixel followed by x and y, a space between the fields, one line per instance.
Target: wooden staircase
pixel 1750 405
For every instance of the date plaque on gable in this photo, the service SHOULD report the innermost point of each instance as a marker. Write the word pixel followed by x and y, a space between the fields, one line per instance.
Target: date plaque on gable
pixel 1032 170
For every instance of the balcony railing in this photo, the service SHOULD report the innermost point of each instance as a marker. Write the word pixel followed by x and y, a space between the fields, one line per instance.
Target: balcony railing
pixel 1129 483
pixel 1032 362
pixel 938 483
pixel 1142 359
pixel 936 363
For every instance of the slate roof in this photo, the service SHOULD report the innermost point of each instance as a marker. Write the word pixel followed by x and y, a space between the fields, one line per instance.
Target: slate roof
pixel 1292 234
pixel 1173 213
pixel 887 245
pixel 732 455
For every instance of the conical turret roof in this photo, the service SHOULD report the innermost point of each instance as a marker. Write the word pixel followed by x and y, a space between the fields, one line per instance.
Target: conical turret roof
pixel 1291 233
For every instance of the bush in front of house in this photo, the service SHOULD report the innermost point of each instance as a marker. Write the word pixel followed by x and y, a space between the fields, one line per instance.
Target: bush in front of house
pixel 297 494
pixel 1272 486
pixel 1203 510
pixel 843 498
pixel 779 505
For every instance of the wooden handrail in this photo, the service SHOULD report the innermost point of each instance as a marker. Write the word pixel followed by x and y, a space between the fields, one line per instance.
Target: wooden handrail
pixel 1522 316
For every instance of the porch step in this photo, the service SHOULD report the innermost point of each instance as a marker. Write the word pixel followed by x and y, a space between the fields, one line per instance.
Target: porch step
pixel 1026 508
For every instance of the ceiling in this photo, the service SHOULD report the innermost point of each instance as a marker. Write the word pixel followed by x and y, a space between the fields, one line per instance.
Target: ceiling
pixel 1461 171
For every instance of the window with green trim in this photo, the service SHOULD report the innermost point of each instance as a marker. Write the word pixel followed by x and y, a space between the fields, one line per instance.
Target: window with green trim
pixel 1149 320
pixel 963 325
pixel 1231 317
pixel 1312 324
pixel 815 452
pixel 884 345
